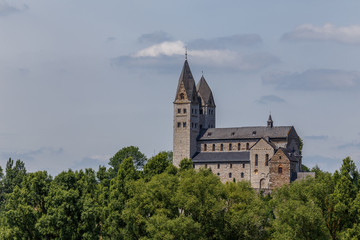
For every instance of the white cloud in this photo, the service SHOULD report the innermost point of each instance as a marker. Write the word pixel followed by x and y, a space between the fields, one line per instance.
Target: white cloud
pixel 162 49
pixel 328 32
pixel 209 57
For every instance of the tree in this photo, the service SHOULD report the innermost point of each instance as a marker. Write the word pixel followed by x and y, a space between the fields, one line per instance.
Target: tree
pixel 186 164
pixel 139 158
pixel 13 175
pixel 26 204
pixel 157 164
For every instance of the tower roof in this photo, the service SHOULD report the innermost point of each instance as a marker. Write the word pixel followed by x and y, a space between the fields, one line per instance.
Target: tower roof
pixel 270 122
pixel 205 92
pixel 187 79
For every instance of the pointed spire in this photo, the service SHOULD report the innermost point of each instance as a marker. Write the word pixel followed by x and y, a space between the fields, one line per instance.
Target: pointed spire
pixel 270 122
pixel 205 92
pixel 187 82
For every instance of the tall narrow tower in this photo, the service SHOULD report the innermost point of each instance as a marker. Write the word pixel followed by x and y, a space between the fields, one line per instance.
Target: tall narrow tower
pixel 207 105
pixel 186 117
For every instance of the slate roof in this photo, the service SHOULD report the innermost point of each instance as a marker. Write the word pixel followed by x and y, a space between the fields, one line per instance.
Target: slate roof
pixel 215 157
pixel 289 154
pixel 205 92
pixel 245 133
pixel 187 78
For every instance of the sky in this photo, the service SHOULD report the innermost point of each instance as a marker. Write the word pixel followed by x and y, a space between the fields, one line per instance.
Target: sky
pixel 79 80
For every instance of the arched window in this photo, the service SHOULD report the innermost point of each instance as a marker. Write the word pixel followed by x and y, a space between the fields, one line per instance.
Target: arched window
pixel 222 147
pixel 242 175
pixel 182 96
pixel 247 146
pixel 267 160
pixel 256 159
pixel 280 169
pixel 213 148
pixel 205 147
pixel 230 146
pixel 239 146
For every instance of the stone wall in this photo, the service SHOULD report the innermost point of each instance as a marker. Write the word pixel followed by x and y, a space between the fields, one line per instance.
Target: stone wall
pixel 222 170
pixel 277 179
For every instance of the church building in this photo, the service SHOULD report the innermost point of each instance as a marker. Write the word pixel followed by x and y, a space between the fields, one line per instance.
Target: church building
pixel 268 156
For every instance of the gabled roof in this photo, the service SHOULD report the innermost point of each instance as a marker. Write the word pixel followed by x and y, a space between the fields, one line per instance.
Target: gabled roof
pixel 219 157
pixel 205 92
pixel 269 143
pixel 246 133
pixel 187 79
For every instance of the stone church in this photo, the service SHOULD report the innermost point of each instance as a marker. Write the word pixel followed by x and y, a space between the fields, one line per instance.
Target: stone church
pixel 268 156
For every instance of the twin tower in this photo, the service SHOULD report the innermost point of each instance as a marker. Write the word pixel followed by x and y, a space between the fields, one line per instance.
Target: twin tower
pixel 194 112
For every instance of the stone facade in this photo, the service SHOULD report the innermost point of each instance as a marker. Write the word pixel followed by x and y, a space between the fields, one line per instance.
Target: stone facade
pixel 266 156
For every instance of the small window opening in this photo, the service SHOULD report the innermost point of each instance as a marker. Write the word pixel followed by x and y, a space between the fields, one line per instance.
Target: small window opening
pixel 256 159
pixel 247 146
pixel 242 175
pixel 179 110
pixel 179 124
pixel 218 165
pixel 209 133
pixel 222 147
pixel 280 170
pixel 182 96
pixel 205 165
pixel 230 146
pixel 213 147
pixel 184 110
pixel 243 165
pixel 239 146
pixel 184 124
pixel 267 160
pixel 230 175
pixel 230 165
pixel 205 147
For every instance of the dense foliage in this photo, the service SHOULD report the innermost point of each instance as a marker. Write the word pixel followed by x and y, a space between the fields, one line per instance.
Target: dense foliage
pixel 151 199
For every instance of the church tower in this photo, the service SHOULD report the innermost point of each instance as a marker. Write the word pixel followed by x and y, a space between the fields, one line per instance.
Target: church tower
pixel 207 104
pixel 186 117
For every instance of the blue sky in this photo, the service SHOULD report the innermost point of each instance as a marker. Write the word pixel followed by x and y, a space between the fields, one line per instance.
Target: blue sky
pixel 79 80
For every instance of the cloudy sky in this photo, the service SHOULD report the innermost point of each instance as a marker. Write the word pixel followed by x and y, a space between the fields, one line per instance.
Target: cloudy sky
pixel 79 80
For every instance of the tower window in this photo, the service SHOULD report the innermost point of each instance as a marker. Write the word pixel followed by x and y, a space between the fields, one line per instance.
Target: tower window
pixel 213 148
pixel 267 160
pixel 256 159
pixel 184 110
pixel 182 96
pixel 243 165
pixel 222 147
pixel 205 147
pixel 179 124
pixel 247 146
pixel 239 146
pixel 230 175
pixel 280 170
pixel 218 165
pixel 230 146
pixel 179 110
pixel 230 165
pixel 242 175
pixel 184 124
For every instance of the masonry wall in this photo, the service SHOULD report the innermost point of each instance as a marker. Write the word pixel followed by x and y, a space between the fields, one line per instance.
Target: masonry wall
pixel 222 170
pixel 279 179
pixel 259 176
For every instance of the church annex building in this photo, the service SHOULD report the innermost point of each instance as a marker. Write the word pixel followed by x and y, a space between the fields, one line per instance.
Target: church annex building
pixel 268 156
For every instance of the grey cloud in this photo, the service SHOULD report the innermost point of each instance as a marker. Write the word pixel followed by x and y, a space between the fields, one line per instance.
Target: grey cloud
pixel 270 99
pixel 324 163
pixel 314 79
pixel 30 155
pixel 110 39
pixel 226 42
pixel 155 37
pixel 349 145
pixel 327 32
pixel 7 9
pixel 237 62
pixel 314 137
pixel 23 71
